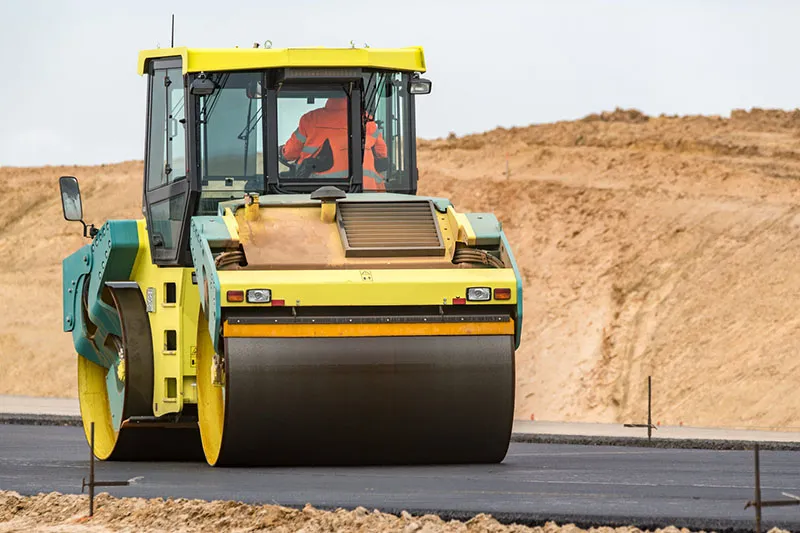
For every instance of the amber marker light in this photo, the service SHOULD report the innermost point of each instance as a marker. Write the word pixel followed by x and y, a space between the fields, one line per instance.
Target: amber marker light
pixel 502 294
pixel 235 296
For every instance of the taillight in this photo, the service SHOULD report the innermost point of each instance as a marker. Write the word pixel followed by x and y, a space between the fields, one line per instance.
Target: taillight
pixel 459 301
pixel 235 296
pixel 502 294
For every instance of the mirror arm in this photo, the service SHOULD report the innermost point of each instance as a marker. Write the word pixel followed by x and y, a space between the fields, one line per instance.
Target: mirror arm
pixel 89 231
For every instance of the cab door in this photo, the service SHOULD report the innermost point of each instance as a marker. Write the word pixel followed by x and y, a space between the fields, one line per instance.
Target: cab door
pixel 169 195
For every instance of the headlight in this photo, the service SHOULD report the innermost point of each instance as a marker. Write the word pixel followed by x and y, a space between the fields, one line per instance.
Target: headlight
pixel 259 296
pixel 479 294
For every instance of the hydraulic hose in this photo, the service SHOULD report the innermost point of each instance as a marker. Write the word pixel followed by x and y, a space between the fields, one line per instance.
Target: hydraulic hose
pixel 476 256
pixel 229 258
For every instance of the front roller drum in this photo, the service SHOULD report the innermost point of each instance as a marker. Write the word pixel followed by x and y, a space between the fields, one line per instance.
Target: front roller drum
pixel 109 397
pixel 358 400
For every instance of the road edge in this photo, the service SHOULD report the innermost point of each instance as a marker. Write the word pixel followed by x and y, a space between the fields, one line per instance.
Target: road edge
pixel 529 438
pixel 25 419
pixel 643 442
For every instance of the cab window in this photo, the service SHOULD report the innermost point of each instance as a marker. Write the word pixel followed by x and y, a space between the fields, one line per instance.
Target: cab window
pixel 167 129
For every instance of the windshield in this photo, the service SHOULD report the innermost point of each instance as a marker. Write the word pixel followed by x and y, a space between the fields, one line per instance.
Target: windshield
pixel 231 140
pixel 313 133
pixel 308 129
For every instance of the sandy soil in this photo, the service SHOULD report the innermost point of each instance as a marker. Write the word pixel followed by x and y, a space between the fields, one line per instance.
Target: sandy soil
pixel 68 514
pixel 661 246
pixel 36 356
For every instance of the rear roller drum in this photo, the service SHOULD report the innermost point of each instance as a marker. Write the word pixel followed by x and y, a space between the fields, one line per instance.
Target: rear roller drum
pixel 360 400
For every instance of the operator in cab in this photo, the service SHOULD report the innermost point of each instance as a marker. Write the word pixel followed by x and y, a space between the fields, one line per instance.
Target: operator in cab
pixel 321 140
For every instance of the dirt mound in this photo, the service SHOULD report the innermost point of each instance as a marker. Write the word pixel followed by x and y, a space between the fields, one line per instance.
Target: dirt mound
pixel 766 119
pixel 631 116
pixel 55 512
pixel 663 247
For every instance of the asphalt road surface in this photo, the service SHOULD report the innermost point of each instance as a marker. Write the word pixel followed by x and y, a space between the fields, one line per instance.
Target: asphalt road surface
pixel 587 485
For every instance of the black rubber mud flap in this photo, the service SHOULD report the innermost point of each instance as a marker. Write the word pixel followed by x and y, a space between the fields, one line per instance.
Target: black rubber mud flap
pixel 368 400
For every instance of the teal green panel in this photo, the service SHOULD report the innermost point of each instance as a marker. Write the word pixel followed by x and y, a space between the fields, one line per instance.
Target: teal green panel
pixel 84 344
pixel 486 227
pixel 441 204
pixel 72 269
pixel 207 278
pixel 215 231
pixel 518 318
pixel 109 257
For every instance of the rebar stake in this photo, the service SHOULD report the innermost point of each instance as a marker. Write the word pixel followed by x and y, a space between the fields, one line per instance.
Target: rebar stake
pixel 91 469
pixel 649 425
pixel 758 489
pixel 758 503
pixel 649 409
pixel 92 483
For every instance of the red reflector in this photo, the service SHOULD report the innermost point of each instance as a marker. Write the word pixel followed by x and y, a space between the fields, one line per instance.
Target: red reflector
pixel 235 296
pixel 278 303
pixel 502 294
pixel 459 301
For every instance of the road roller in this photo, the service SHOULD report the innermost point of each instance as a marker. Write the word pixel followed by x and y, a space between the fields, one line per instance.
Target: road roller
pixel 287 297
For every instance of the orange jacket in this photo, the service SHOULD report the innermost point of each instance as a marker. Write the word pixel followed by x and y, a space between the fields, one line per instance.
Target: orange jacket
pixel 330 122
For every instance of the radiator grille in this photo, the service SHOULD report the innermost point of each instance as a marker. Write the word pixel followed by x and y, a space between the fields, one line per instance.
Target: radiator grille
pixel 374 229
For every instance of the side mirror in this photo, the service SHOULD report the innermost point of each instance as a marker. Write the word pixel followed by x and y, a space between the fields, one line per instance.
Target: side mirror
pixel 71 203
pixel 71 198
pixel 419 86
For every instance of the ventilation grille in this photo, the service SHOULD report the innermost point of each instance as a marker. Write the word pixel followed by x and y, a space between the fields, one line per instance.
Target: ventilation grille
pixel 375 229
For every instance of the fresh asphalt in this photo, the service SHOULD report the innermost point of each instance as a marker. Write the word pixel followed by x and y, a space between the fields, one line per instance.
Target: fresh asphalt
pixel 586 485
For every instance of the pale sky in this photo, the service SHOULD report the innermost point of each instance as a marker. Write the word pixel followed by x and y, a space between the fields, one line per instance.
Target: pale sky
pixel 70 93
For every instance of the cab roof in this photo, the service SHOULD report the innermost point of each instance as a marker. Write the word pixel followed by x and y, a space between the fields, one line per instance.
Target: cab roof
pixel 410 59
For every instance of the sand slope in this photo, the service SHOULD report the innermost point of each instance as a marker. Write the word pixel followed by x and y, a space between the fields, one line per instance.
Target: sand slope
pixel 649 246
pixel 36 356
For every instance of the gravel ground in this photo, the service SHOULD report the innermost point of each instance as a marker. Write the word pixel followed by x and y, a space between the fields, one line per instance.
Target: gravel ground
pixel 56 512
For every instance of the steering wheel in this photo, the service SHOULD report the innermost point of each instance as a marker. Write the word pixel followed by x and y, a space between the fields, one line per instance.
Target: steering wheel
pixel 291 165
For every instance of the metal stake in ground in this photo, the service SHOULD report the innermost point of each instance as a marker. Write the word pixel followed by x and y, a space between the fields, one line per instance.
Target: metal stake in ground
pixel 758 503
pixel 650 427
pixel 649 408
pixel 758 490
pixel 92 483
